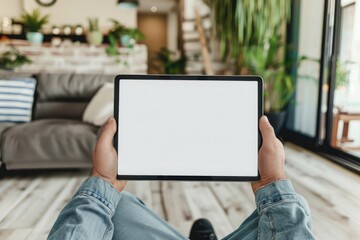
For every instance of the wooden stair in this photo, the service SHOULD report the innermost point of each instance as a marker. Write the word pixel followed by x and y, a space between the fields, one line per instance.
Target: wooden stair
pixel 196 38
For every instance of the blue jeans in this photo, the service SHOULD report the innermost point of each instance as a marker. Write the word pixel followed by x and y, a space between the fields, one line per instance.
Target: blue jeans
pixel 98 211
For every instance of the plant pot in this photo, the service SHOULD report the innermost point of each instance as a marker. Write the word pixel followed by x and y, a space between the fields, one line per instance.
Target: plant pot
pixel 35 38
pixel 126 40
pixel 277 120
pixel 94 38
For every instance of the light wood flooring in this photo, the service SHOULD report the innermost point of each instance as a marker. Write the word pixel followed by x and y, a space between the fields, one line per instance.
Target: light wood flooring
pixel 30 204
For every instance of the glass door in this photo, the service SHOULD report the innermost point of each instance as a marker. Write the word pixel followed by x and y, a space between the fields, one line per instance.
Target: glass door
pixel 325 114
pixel 343 114
pixel 306 44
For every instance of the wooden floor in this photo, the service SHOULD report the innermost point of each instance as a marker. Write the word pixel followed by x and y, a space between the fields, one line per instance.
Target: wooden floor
pixel 30 204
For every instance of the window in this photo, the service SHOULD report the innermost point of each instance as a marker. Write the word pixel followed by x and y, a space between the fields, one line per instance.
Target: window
pixel 325 114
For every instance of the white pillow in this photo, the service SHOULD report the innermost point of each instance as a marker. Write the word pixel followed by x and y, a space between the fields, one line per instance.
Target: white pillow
pixel 101 106
pixel 17 100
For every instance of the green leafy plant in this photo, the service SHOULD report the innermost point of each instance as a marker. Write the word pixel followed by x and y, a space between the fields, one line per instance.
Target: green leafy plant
pixel 135 34
pixel 112 49
pixel 13 59
pixel 169 63
pixel 278 84
pixel 34 21
pixel 93 24
pixel 249 34
pixel 119 30
pixel 342 74
pixel 244 23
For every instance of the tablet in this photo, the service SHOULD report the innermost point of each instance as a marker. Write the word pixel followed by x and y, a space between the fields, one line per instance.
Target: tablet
pixel 183 127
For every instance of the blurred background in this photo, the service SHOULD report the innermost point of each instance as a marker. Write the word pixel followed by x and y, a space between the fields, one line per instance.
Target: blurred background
pixel 58 60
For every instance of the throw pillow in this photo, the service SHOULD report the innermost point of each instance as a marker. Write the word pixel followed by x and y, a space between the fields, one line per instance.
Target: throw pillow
pixel 17 100
pixel 101 106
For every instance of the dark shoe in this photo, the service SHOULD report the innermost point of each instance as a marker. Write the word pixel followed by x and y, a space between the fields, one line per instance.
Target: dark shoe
pixel 202 230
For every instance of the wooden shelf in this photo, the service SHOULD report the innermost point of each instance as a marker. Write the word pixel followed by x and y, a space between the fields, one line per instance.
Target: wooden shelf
pixel 48 37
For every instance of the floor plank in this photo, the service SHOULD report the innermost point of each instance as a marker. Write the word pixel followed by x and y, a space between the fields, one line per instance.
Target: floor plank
pixel 203 204
pixel 43 226
pixel 15 234
pixel 27 213
pixel 30 205
pixel 330 193
pixel 180 216
pixel 14 195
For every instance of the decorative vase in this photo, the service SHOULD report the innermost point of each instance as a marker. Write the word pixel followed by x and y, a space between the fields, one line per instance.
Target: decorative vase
pixel 94 38
pixel 35 38
pixel 277 120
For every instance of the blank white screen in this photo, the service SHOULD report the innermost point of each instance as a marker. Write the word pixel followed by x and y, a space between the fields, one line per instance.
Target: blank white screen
pixel 188 128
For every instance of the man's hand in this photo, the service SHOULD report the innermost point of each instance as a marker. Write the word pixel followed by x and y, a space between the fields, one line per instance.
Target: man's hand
pixel 105 157
pixel 271 156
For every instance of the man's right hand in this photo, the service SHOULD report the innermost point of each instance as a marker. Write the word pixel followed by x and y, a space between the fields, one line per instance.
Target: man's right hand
pixel 271 156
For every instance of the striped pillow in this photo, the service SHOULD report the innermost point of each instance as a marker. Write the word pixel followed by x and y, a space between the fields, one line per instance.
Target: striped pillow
pixel 16 100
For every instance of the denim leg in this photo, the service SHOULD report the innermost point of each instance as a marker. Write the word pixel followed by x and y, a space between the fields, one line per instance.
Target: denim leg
pixel 133 220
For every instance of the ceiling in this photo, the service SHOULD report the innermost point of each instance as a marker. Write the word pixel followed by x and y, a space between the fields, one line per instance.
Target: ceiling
pixel 162 6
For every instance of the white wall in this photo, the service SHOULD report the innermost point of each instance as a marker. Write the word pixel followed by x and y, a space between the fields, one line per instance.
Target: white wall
pixel 311 20
pixel 10 8
pixel 73 11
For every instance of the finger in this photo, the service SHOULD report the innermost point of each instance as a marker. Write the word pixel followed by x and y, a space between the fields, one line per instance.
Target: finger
pixel 267 131
pixel 107 133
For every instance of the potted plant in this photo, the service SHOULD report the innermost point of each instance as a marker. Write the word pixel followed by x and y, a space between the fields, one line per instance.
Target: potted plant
pixel 128 37
pixel 12 59
pixel 278 84
pixel 117 31
pixel 131 36
pixel 94 36
pixel 33 23
pixel 249 35
pixel 170 63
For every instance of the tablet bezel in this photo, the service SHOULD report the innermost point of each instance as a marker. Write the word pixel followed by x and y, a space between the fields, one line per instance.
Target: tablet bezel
pixel 118 78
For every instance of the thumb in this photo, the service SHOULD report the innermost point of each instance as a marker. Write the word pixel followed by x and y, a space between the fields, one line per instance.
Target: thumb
pixel 107 133
pixel 267 131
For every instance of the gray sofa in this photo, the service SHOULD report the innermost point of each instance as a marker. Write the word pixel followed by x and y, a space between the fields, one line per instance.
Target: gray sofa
pixel 56 137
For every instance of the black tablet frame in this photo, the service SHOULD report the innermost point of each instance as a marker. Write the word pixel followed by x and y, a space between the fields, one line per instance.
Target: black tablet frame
pixel 118 78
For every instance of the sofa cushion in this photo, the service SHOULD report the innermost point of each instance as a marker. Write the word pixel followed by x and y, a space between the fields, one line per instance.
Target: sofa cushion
pixel 62 110
pixel 67 86
pixel 49 143
pixel 101 106
pixel 3 127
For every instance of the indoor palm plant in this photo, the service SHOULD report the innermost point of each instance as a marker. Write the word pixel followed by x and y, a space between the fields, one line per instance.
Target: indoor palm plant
pixel 94 35
pixel 251 34
pixel 278 84
pixel 33 23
